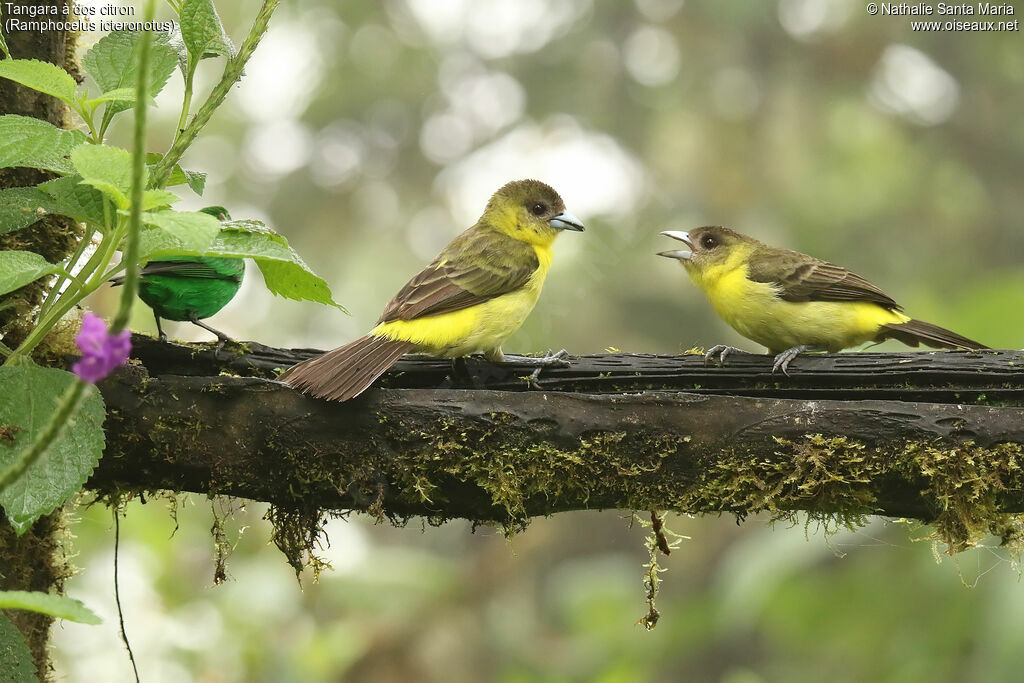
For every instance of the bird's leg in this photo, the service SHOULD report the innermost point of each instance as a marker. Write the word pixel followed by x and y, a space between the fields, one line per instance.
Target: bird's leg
pixel 783 359
pixel 722 351
pixel 160 332
pixel 221 337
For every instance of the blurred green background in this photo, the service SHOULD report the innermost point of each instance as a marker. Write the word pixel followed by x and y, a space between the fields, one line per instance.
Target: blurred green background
pixel 371 133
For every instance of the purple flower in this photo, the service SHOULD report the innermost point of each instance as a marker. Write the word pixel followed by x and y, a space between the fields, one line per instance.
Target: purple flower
pixel 101 352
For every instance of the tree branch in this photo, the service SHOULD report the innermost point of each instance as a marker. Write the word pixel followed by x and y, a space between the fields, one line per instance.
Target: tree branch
pixel 847 435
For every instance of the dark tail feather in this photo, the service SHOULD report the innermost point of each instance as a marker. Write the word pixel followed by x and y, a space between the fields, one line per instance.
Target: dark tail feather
pixel 348 370
pixel 914 331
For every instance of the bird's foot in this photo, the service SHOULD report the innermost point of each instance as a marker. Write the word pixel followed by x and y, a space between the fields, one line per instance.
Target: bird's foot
pixel 222 338
pixel 548 360
pixel 722 351
pixel 783 359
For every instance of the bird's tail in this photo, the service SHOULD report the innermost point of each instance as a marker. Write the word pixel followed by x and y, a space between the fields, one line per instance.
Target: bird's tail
pixel 913 332
pixel 346 371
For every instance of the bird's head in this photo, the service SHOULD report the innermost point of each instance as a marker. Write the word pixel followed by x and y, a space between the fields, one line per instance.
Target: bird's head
pixel 529 211
pixel 712 249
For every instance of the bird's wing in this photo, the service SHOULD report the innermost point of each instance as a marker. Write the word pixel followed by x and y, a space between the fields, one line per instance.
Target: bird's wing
pixel 475 267
pixel 802 278
pixel 195 269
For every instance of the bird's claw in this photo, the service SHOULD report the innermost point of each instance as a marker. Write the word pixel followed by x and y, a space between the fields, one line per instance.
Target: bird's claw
pixel 549 360
pixel 720 350
pixel 783 359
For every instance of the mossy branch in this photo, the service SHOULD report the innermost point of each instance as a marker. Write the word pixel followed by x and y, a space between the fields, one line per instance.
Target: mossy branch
pixel 503 456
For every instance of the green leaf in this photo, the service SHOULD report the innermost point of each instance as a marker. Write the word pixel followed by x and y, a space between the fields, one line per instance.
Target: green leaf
pixel 118 95
pixel 108 169
pixel 195 179
pixel 74 199
pixel 18 268
pixel 284 271
pixel 57 606
pixel 111 62
pixel 33 143
pixel 69 461
pixel 193 230
pixel 20 207
pixel 155 199
pixel 16 663
pixel 41 76
pixel 202 32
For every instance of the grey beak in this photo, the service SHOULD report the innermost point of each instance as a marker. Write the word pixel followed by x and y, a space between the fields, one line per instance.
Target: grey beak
pixel 566 221
pixel 681 254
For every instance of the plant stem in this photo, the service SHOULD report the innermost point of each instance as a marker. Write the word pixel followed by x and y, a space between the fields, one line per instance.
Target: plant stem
pixel 55 290
pixel 65 410
pixel 232 72
pixel 130 256
pixel 96 265
pixel 186 104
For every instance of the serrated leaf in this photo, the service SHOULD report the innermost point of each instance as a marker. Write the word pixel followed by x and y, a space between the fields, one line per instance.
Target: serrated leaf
pixel 155 199
pixel 111 62
pixel 196 180
pixel 284 271
pixel 18 268
pixel 71 458
pixel 108 169
pixel 118 95
pixel 42 76
pixel 58 606
pixel 20 207
pixel 73 199
pixel 16 663
pixel 193 230
pixel 33 143
pixel 202 31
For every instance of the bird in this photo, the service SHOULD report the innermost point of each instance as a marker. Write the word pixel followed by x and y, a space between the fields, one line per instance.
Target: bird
pixel 470 298
pixel 190 288
pixel 791 302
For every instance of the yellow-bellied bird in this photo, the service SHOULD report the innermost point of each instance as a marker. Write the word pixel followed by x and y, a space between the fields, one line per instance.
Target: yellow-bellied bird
pixel 476 293
pixel 792 302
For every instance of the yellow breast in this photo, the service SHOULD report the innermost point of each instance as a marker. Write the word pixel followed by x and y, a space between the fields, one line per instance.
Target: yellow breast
pixel 477 328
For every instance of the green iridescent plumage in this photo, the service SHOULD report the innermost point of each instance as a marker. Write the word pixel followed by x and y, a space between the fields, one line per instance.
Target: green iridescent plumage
pixel 191 287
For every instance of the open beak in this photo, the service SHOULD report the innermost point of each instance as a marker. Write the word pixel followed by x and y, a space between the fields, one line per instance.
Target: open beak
pixel 566 221
pixel 681 254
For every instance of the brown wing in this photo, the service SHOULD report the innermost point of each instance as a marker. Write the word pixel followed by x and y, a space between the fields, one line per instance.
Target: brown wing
pixel 477 265
pixel 804 278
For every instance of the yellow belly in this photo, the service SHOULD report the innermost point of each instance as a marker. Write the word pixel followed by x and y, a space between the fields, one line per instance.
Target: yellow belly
pixel 483 327
pixel 754 310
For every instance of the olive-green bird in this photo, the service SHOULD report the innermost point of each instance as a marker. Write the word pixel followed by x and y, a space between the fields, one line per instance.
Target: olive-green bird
pixel 791 302
pixel 190 287
pixel 476 293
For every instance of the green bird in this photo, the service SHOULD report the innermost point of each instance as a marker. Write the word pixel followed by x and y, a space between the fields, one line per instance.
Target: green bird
pixel 190 287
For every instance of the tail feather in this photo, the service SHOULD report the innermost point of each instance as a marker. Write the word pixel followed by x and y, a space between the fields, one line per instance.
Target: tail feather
pixel 348 370
pixel 912 332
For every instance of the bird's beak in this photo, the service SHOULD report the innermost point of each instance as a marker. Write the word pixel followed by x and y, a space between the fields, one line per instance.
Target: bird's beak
pixel 566 221
pixel 681 254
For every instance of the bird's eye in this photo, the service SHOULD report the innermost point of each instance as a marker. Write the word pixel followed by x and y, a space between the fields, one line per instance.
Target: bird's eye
pixel 708 242
pixel 538 209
